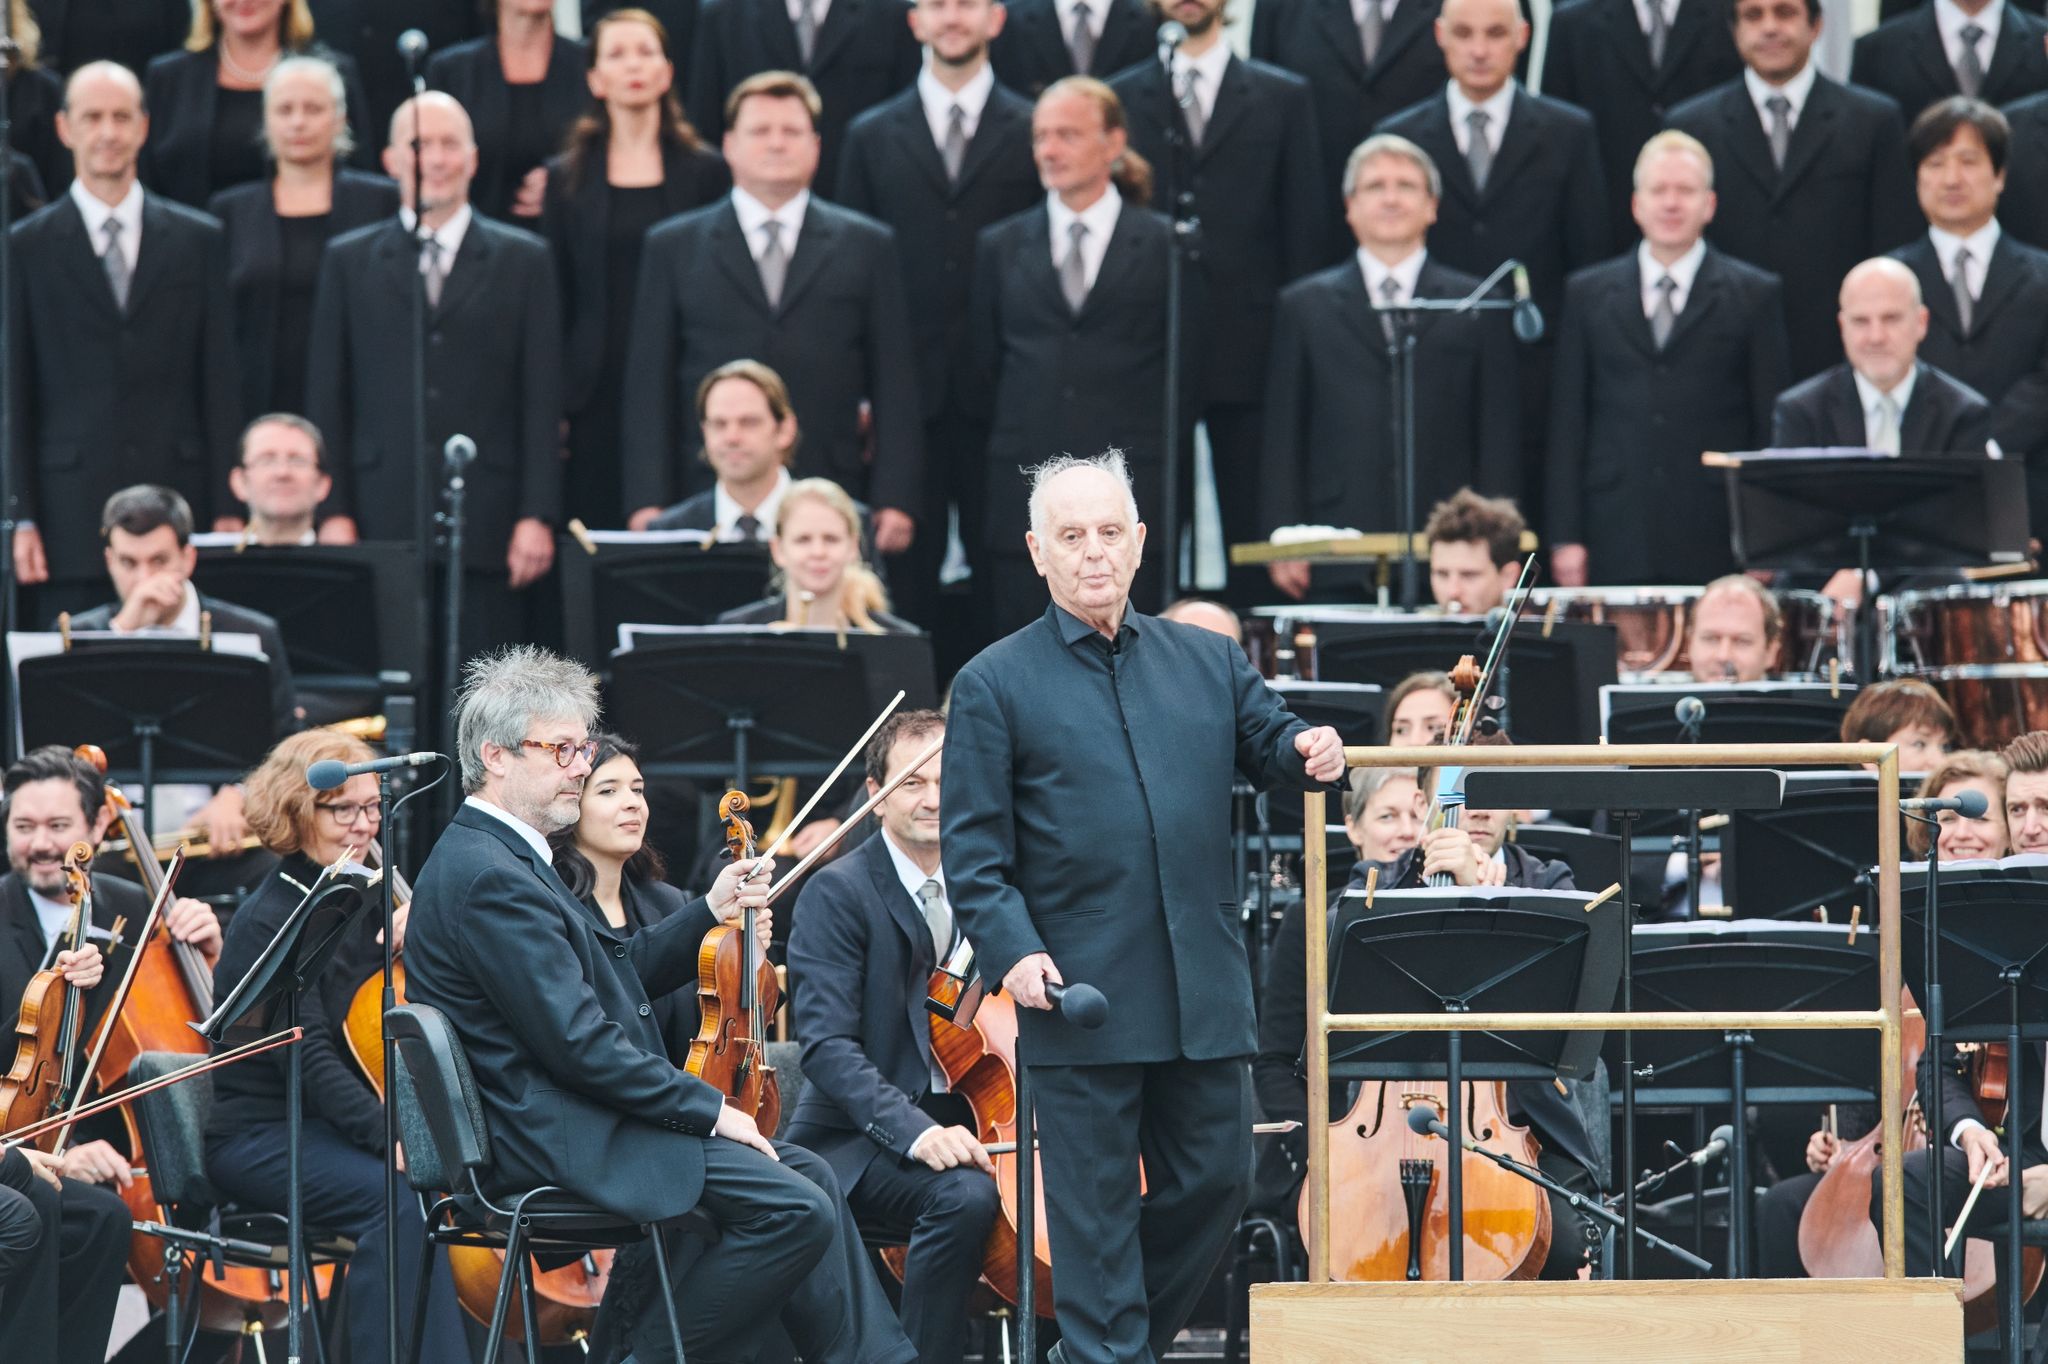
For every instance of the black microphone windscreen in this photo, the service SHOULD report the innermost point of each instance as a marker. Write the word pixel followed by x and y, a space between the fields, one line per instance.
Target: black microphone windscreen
pixel 1527 321
pixel 1084 1006
pixel 327 774
pixel 1420 1119
pixel 1971 803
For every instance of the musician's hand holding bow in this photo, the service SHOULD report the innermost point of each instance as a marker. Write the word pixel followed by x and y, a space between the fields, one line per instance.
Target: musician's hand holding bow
pixel 1322 753
pixel 82 968
pixel 1980 1144
pixel 733 893
pixel 1025 981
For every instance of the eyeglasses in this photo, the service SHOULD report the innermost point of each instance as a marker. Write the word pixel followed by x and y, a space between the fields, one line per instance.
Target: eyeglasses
pixel 565 752
pixel 345 815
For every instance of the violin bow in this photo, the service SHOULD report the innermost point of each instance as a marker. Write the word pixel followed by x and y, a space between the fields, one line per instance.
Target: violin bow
pixel 136 1091
pixel 853 820
pixel 826 785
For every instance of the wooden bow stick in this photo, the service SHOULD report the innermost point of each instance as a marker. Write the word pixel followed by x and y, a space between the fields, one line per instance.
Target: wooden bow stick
pixel 802 814
pixel 853 820
pixel 121 1096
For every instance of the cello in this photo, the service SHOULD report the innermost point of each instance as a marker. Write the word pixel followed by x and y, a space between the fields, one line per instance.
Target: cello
pixel 736 992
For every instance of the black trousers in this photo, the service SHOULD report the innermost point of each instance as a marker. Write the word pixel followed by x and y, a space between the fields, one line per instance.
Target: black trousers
pixel 57 1304
pixel 1777 1226
pixel 955 475
pixel 1236 436
pixel 1127 1270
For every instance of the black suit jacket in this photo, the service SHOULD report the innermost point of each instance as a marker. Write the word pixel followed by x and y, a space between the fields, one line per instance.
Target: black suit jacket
pixel 1330 453
pixel 368 31
pixel 1598 57
pixel 171 21
pixel 493 374
pixel 472 73
pixel 21 933
pixel 1031 52
pixel 1959 1097
pixel 181 89
pixel 891 170
pixel 839 335
pixel 677 1013
pixel 1113 857
pixel 104 398
pixel 1944 415
pixel 1258 189
pixel 1628 423
pixel 256 255
pixel 230 619
pixel 1905 58
pixel 574 219
pixel 34 95
pixel 2023 208
pixel 575 1078
pixel 860 961
pixel 1845 194
pixel 864 54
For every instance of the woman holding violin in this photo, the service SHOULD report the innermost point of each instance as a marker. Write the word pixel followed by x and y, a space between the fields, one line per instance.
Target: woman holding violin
pixel 343 1120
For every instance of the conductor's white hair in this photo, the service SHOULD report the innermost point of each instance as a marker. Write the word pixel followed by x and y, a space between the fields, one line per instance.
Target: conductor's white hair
pixel 1110 461
pixel 505 693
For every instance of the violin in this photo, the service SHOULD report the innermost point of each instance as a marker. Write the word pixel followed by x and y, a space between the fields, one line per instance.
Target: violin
pixel 736 993
pixel 47 1031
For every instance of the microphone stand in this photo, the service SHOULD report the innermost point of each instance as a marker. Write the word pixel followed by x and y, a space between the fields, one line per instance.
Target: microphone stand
pixel 1184 245
pixel 423 519
pixel 1690 733
pixel 455 461
pixel 1931 1014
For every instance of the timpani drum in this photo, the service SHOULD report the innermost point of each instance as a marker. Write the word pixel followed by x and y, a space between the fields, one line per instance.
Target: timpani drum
pixel 1984 646
pixel 1649 622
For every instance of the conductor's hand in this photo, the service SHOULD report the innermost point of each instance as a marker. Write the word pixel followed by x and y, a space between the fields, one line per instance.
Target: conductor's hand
pixel 30 564
pixel 1820 1151
pixel 1322 753
pixel 1568 565
pixel 947 1148
pixel 1452 851
pixel 1981 1146
pixel 734 1125
pixel 1290 576
pixel 1026 981
pixel 729 898
pixel 531 553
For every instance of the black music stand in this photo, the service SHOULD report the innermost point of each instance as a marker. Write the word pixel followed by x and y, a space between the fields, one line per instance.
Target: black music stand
pixel 1459 951
pixel 1988 951
pixel 166 709
pixel 662 581
pixel 1595 858
pixel 1737 712
pixel 1810 853
pixel 289 966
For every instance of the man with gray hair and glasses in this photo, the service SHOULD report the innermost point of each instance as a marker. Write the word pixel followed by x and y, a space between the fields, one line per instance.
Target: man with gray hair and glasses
pixel 552 1005
pixel 1085 828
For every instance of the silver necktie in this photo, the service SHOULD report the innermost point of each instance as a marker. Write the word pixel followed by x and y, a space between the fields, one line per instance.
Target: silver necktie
pixel 1478 155
pixel 1390 296
pixel 1081 44
pixel 1970 71
pixel 1191 107
pixel 937 917
pixel 806 29
pixel 955 149
pixel 1659 31
pixel 1781 128
pixel 1663 317
pixel 115 264
pixel 774 263
pixel 435 270
pixel 1074 269
pixel 1372 29
pixel 1959 277
pixel 1884 425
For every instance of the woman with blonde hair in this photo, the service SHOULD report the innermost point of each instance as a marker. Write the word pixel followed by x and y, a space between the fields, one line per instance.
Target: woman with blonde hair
pixel 34 95
pixel 820 580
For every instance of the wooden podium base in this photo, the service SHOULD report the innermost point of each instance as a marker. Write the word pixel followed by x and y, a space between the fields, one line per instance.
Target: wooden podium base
pixel 1756 1321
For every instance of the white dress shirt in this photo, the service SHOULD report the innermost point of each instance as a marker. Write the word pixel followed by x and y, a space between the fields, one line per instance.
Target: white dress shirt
pixel 725 512
pixel 517 825
pixel 1208 70
pixel 1670 8
pixel 819 8
pixel 1386 12
pixel 1869 394
pixel 1100 217
pixel 755 215
pixel 1683 272
pixel 1377 272
pixel 449 235
pixel 1981 243
pixel 938 101
pixel 128 212
pixel 1495 107
pixel 1950 21
pixel 1796 90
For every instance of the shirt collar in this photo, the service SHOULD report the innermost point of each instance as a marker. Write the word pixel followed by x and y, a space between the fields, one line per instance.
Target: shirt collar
pixel 187 622
pixel 1867 393
pixel 726 512
pixel 519 826
pixel 1096 10
pixel 972 97
pixel 753 214
pixel 96 211
pixel 1376 272
pixel 1796 90
pixel 1982 243
pixel 448 234
pixel 1073 629
pixel 1950 20
pixel 1683 271
pixel 1211 64
pixel 1100 216
pixel 908 872
pixel 1496 106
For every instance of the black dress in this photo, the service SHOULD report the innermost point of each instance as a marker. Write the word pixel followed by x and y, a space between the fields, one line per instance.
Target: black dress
pixel 646 904
pixel 303 239
pixel 126 31
pixel 592 488
pixel 234 155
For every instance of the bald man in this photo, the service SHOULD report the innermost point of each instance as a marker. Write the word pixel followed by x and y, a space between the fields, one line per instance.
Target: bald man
pixel 124 365
pixel 493 372
pixel 1883 396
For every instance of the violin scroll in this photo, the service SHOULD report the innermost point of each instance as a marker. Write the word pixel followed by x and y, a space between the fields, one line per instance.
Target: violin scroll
pixel 739 831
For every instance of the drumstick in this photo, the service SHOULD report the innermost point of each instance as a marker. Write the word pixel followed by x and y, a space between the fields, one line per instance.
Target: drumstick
pixel 853 821
pixel 825 786
pixel 1956 1232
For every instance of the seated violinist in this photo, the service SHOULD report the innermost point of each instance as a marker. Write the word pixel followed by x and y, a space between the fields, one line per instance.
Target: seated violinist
pixel 869 930
pixel 342 1133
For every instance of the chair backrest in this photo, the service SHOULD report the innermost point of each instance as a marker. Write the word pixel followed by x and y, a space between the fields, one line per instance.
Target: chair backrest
pixel 788 1060
pixel 440 1118
pixel 172 1121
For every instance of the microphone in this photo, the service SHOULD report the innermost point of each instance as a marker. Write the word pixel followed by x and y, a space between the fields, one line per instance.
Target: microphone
pixel 1527 317
pixel 1172 34
pixel 1723 1138
pixel 1423 1122
pixel 329 773
pixel 412 45
pixel 459 453
pixel 1967 803
pixel 1083 1005
pixel 1690 711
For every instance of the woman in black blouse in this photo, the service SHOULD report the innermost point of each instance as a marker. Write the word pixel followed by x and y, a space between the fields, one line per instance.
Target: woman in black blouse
pixel 126 31
pixel 34 94
pixel 277 228
pixel 632 160
pixel 206 103
pixel 522 87
pixel 342 1130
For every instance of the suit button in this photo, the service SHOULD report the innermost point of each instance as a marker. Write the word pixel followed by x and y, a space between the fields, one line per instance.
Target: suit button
pixel 645 1010
pixel 619 951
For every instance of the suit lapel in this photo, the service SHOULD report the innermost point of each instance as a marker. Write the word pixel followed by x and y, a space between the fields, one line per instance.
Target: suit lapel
pixel 1922 259
pixel 1118 260
pixel 1845 409
pixel 151 260
pixel 23 938
pixel 1342 32
pixel 1746 136
pixel 83 261
pixel 1355 306
pixel 1917 422
pixel 2007 54
pixel 1700 303
pixel 1117 19
pixel 1691 22
pixel 996 117
pixel 729 248
pixel 1931 56
pixel 2001 274
pixel 915 133
pixel 1233 96
pixel 840 23
pixel 890 894
pixel 1437 137
pixel 1041 27
pixel 472 265
pixel 813 245
pixel 778 35
pixel 1517 146
pixel 1626 307
pixel 1809 136
pixel 1411 19
pixel 1627 38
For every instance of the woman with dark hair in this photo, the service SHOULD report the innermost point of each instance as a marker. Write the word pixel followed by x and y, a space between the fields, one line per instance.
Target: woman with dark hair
pixel 522 87
pixel 206 124
pixel 632 160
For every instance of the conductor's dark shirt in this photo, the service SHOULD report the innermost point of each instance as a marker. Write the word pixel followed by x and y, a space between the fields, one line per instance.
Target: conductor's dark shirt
pixel 1086 814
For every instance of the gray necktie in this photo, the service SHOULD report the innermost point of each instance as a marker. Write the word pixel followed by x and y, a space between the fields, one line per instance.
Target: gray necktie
pixel 1781 128
pixel 1074 269
pixel 748 525
pixel 436 272
pixel 1390 296
pixel 806 29
pixel 937 917
pixel 1371 29
pixel 1081 44
pixel 1663 317
pixel 115 264
pixel 955 149
pixel 1959 277
pixel 1970 71
pixel 1659 31
pixel 774 263
pixel 1884 425
pixel 1478 155
pixel 1192 108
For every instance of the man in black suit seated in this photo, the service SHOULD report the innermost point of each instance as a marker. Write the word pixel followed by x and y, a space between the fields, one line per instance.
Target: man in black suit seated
pixel 938 163
pixel 1983 49
pixel 1626 62
pixel 1523 181
pixel 1986 291
pixel 122 349
pixel 575 1079
pixel 1812 174
pixel 282 479
pixel 868 931
pixel 779 275
pixel 493 372
pixel 1666 351
pixel 750 433
pixel 1049 40
pixel 1331 458
pixel 1248 168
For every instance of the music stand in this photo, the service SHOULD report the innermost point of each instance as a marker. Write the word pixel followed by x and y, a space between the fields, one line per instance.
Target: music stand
pixel 284 970
pixel 1810 853
pixel 1737 712
pixel 166 709
pixel 1595 858
pixel 1755 965
pixel 1460 950
pixel 665 580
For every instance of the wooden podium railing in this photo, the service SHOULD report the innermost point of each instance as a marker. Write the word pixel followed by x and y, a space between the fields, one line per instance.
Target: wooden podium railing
pixel 1885 1017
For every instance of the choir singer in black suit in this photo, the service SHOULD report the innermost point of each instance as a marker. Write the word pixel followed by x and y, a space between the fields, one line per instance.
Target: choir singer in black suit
pixel 1812 173
pixel 775 274
pixel 1084 825
pixel 938 163
pixel 869 930
pixel 2024 209
pixel 1049 40
pixel 122 351
pixel 1982 49
pixel 1669 350
pixel 1332 456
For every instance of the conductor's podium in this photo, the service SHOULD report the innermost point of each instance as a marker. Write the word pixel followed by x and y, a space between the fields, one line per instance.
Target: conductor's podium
pixel 1712 1321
